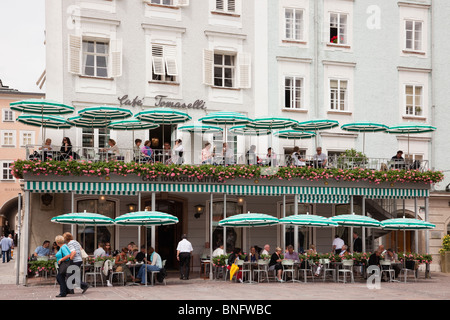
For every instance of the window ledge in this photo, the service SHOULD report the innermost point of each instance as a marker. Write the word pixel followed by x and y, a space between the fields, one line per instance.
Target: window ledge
pixel 336 45
pixel 167 83
pixel 345 113
pixel 220 13
pixel 406 51
pixel 409 117
pixel 294 110
pixel 294 41
pixel 226 88
pixel 163 6
pixel 7 146
pixel 92 77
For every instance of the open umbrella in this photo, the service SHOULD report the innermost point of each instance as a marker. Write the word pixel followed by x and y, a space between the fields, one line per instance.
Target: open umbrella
pixel 41 106
pixel 365 127
pixel 146 219
pixel 411 128
pixel 198 128
pixel 249 220
pixel 105 112
pixel 294 135
pixel 225 118
pixel 316 125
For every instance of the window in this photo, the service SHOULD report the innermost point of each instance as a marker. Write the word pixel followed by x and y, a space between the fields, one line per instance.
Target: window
pixel 95 58
pixel 294 24
pixel 163 2
pixel 164 63
pixel 26 138
pixel 6 171
pixel 338 28
pixel 338 94
pixel 226 6
pixel 414 101
pixel 8 115
pixel 293 92
pixel 224 70
pixel 8 138
pixel 413 35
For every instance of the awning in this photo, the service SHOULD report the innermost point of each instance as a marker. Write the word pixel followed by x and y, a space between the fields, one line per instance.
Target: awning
pixel 122 188
pixel 324 198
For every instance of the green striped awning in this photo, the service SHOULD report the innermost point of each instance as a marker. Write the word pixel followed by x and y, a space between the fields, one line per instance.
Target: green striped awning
pixel 324 198
pixel 122 188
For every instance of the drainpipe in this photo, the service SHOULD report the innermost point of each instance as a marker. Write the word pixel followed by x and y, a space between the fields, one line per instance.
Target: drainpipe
pixel 316 58
pixel 17 254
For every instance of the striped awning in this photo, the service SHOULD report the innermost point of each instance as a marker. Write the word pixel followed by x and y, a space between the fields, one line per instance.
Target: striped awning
pixel 324 198
pixel 123 188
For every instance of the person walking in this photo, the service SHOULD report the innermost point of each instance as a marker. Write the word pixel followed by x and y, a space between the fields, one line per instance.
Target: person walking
pixel 184 250
pixel 6 243
pixel 63 260
pixel 75 256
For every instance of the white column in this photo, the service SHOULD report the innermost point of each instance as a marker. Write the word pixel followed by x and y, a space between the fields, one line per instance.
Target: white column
pixel 363 233
pixel 224 228
pixel 416 233
pixel 211 232
pixel 25 237
pixel 427 239
pixel 296 227
pixel 153 242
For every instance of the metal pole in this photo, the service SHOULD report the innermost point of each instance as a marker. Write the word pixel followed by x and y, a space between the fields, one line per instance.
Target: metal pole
pixel 351 228
pixel 72 207
pixel 26 233
pixel 139 228
pixel 296 227
pixel 404 231
pixel 427 240
pixel 211 232
pixel 153 242
pixel 416 233
pixel 224 228
pixel 19 218
pixel 283 227
pixel 363 235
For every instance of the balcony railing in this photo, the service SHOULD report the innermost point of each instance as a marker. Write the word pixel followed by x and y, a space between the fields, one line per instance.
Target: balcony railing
pixel 35 152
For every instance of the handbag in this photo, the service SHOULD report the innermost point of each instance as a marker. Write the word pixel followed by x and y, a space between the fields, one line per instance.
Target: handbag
pixel 63 266
pixel 84 255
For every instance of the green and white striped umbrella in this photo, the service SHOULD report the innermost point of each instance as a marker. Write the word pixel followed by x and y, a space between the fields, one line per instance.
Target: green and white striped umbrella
pixel 41 106
pixel 406 224
pixel 81 122
pixel 163 116
pixel 83 218
pixel 355 220
pixel 365 127
pixel 223 118
pixel 249 220
pixel 294 134
pixel 272 123
pixel 46 121
pixel 316 125
pixel 146 219
pixel 411 128
pixel 308 220
pixel 248 131
pixel 105 112
pixel 200 128
pixel 131 125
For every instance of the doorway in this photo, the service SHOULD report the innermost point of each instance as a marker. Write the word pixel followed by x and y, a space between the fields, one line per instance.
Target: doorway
pixel 163 132
pixel 167 237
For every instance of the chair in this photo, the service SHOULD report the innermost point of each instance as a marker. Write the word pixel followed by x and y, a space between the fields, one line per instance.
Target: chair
pixel 154 273
pixel 410 268
pixel 386 268
pixel 263 268
pixel 347 268
pixel 326 269
pixel 118 273
pixel 97 272
pixel 205 266
pixel 288 267
pixel 243 269
pixel 305 268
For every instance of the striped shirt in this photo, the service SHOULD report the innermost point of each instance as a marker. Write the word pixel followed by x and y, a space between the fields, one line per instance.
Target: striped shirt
pixel 75 246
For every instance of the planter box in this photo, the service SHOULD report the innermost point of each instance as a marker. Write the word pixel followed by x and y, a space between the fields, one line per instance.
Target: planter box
pixel 445 262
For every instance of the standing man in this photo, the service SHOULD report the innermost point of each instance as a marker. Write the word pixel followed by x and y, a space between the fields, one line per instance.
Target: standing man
pixel 357 243
pixel 184 250
pixel 338 243
pixel 6 243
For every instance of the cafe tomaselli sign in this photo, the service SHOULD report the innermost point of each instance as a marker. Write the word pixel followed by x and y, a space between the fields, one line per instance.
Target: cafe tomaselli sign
pixel 160 101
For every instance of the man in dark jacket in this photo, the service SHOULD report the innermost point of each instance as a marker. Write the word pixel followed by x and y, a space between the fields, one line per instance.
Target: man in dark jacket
pixel 357 243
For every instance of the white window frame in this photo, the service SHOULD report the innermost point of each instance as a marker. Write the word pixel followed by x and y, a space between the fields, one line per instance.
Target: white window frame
pixel 413 36
pixel 293 92
pixel 161 2
pixel 22 137
pixel 414 106
pixel 13 137
pixel 337 103
pixel 164 62
pixel 223 66
pixel 10 174
pixel 338 26
pixel 296 35
pixel 5 112
pixel 96 54
pixel 227 6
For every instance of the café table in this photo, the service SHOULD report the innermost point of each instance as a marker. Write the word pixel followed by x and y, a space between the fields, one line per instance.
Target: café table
pixel 248 267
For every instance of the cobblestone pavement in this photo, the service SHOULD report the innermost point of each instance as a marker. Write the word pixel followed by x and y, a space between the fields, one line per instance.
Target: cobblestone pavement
pixel 436 288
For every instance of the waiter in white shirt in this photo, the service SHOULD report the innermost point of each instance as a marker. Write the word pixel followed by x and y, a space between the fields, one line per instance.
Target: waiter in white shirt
pixel 337 244
pixel 184 250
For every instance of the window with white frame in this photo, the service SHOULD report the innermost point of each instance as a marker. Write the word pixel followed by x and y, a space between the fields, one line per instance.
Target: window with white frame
pixel 164 62
pixel 26 138
pixel 227 6
pixel 414 100
pixel 293 87
pixel 8 138
pixel 95 58
pixel 6 170
pixel 224 70
pixel 338 94
pixel 294 24
pixel 339 28
pixel 414 35
pixel 8 115
pixel 162 2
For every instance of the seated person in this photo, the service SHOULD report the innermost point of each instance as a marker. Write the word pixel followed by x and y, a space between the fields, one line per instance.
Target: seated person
pixel 391 256
pixel 113 150
pixel 251 157
pixel 137 150
pixel 206 154
pixel 291 254
pixel 296 159
pixel 108 249
pixel 43 251
pixel 252 256
pixel 121 264
pixel 320 159
pixel 140 256
pixel 227 155
pixel 100 252
pixel 47 149
pixel 146 151
pixel 312 249
pixel 374 259
pixel 275 264
pixel 234 256
pixel 219 251
pixel 271 158
pixel 152 264
pixel 344 251
pixel 66 149
pixel 399 161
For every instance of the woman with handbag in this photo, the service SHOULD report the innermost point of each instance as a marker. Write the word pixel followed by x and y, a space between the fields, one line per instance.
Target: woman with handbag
pixel 63 260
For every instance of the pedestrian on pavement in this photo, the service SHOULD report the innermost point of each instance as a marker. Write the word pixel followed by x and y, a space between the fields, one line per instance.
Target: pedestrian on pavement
pixel 6 243
pixel 63 260
pixel 75 256
pixel 184 250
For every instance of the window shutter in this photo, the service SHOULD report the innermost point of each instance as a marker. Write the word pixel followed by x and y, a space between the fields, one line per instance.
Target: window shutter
pixel 208 67
pixel 245 71
pixel 158 59
pixel 220 5
pixel 75 44
pixel 170 56
pixel 182 3
pixel 116 58
pixel 231 7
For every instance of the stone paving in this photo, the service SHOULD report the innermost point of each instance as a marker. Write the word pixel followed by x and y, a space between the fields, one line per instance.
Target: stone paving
pixel 436 288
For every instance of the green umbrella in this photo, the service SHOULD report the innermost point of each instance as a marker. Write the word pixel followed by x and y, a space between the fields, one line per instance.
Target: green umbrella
pixel 294 134
pixel 248 131
pixel 272 123
pixel 411 128
pixel 146 219
pixel 364 127
pixel 316 125
pixel 81 122
pixel 225 118
pixel 355 220
pixel 194 128
pixel 308 220
pixel 41 106
pixel 105 112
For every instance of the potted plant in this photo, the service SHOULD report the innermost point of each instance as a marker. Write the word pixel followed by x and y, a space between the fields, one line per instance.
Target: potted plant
pixel 351 158
pixel 445 254
pixel 219 261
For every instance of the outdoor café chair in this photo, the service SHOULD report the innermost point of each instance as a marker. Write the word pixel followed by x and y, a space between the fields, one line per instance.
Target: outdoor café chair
pixel 263 268
pixel 96 272
pixel 408 267
pixel 327 269
pixel 386 268
pixel 347 268
pixel 119 274
pixel 305 268
pixel 288 267
pixel 154 273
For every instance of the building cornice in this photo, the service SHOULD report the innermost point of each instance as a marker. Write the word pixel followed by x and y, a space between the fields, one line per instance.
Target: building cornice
pixel 409 69
pixel 160 27
pixel 339 63
pixel 211 33
pixel 414 5
pixel 293 59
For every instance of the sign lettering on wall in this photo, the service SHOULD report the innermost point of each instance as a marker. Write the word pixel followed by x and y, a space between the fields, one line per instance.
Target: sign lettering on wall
pixel 125 100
